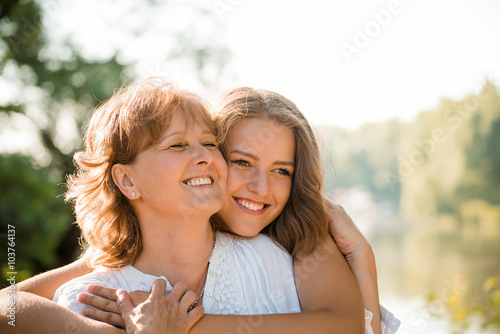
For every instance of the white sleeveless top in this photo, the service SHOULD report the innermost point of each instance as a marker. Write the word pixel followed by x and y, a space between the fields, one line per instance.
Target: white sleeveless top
pixel 245 276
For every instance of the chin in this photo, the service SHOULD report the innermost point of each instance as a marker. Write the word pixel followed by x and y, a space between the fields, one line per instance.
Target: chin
pixel 244 231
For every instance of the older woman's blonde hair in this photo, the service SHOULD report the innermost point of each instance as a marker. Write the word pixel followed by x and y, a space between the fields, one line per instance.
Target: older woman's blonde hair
pixel 132 120
pixel 303 223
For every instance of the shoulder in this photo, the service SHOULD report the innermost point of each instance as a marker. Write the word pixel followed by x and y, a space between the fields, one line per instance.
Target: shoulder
pixel 260 245
pixel 66 295
pixel 260 253
pixel 260 270
pixel 95 277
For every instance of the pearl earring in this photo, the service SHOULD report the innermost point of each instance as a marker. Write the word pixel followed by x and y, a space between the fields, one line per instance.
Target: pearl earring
pixel 132 195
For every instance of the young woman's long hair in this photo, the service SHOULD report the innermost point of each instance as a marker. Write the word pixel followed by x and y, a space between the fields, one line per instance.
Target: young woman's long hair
pixel 132 120
pixel 303 223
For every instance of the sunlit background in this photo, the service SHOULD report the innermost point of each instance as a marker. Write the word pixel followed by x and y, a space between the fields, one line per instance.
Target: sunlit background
pixel 403 95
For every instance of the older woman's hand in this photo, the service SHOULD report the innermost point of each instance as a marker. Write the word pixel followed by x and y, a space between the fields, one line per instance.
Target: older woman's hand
pixel 104 303
pixel 160 313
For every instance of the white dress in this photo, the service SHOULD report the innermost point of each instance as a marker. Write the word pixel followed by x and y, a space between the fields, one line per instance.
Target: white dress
pixel 245 276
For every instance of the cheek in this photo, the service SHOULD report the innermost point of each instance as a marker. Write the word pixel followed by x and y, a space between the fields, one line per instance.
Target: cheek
pixel 219 163
pixel 234 180
pixel 282 189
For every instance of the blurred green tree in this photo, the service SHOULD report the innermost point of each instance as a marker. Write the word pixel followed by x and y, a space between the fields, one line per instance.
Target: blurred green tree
pixel 452 154
pixel 53 94
pixel 366 158
pixel 30 202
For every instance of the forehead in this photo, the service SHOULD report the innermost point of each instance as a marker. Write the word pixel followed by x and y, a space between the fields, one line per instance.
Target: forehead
pixel 183 121
pixel 262 136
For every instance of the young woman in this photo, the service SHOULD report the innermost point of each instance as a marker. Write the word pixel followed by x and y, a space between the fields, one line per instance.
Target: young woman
pixel 150 178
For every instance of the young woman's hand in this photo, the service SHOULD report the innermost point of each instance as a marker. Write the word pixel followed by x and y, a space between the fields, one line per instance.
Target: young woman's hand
pixel 350 240
pixel 104 302
pixel 159 313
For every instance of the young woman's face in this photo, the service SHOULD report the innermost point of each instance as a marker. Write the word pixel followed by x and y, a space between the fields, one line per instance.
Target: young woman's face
pixel 184 174
pixel 260 166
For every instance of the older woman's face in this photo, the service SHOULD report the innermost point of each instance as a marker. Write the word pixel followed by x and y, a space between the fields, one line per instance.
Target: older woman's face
pixel 184 174
pixel 260 167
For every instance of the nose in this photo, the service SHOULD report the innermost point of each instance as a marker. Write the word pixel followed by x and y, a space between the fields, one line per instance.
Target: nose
pixel 202 155
pixel 259 183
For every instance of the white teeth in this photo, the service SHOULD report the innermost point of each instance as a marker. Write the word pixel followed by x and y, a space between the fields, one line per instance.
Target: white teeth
pixel 250 206
pixel 201 181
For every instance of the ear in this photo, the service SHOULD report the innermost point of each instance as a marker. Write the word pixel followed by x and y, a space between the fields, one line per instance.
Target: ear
pixel 123 179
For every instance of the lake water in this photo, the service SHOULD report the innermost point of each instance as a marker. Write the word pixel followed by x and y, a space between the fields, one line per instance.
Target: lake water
pixel 432 271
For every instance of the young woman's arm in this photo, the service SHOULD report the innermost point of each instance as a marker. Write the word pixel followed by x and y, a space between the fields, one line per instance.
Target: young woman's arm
pixel 33 311
pixel 336 309
pixel 46 284
pixel 34 314
pixel 359 256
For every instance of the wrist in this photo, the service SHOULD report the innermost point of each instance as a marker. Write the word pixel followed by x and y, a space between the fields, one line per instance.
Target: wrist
pixel 362 258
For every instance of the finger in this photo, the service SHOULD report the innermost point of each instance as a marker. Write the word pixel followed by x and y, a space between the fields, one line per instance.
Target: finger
pixel 195 315
pixel 328 202
pixel 102 291
pixel 98 302
pixel 187 300
pixel 124 302
pixel 158 289
pixel 139 297
pixel 178 291
pixel 114 319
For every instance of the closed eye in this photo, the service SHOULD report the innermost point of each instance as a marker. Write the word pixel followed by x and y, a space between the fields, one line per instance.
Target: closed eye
pixel 211 145
pixel 178 146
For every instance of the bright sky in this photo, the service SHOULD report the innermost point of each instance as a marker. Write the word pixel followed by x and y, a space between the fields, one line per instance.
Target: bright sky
pixel 428 49
pixel 341 62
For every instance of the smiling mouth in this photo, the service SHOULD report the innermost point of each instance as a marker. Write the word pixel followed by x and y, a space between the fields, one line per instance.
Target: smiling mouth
pixel 251 205
pixel 199 181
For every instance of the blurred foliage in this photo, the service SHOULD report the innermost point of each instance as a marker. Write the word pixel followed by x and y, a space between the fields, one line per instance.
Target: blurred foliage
pixel 50 85
pixel 489 310
pixel 56 94
pixel 365 158
pixel 435 165
pixel 452 157
pixel 38 214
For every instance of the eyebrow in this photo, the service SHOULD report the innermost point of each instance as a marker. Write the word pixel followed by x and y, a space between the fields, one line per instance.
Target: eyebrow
pixel 246 154
pixel 254 157
pixel 285 163
pixel 176 133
